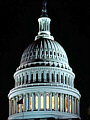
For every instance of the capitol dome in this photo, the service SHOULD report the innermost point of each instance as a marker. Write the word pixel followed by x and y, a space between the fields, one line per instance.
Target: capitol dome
pixel 44 81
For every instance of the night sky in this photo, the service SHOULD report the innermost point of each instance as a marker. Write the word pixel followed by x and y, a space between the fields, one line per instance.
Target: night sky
pixel 69 26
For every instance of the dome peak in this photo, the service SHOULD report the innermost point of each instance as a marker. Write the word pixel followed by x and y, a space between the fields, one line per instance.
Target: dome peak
pixel 44 10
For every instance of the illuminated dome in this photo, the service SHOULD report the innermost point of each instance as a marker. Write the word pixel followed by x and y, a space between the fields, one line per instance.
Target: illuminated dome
pixel 44 81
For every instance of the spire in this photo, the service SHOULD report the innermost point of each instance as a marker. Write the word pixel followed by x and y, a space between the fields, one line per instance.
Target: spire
pixel 44 10
pixel 44 24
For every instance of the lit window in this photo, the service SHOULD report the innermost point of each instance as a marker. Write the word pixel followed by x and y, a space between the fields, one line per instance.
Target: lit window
pixel 47 102
pixel 58 103
pixel 42 101
pixel 22 104
pixel 66 105
pixel 70 106
pixel 30 102
pixel 53 103
pixel 36 102
pixel 18 107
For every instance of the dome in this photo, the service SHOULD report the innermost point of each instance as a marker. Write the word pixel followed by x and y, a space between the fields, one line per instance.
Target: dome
pixel 44 50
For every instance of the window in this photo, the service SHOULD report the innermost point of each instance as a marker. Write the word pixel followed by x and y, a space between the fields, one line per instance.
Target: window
pixel 66 105
pixel 61 78
pixel 42 102
pixel 42 77
pixel 65 80
pixel 47 102
pixel 53 102
pixel 30 103
pixel 57 78
pixel 36 102
pixel 36 77
pixel 70 105
pixel 52 77
pixel 47 77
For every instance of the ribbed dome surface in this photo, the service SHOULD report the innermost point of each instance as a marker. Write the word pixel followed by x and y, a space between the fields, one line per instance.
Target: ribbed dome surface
pixel 44 50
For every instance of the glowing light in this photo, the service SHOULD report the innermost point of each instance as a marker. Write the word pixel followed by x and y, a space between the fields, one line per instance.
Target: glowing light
pixel 61 104
pixel 70 106
pixel 66 105
pixel 36 102
pixel 47 102
pixel 30 102
pixel 42 101
pixel 58 103
pixel 53 103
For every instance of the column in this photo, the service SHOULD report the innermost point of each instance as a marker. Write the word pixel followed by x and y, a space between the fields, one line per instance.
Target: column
pixel 24 97
pixel 63 101
pixel 75 105
pixel 34 77
pixel 60 77
pixel 50 102
pixel 16 104
pixel 60 102
pixel 44 76
pixel 20 104
pixel 39 75
pixel 29 78
pixel 13 104
pixel 71 104
pixel 63 78
pixel 56 101
pixel 38 101
pixel 44 101
pixel 26 102
pixel 50 78
pixel 29 101
pixel 68 102
pixel 25 78
pixel 33 101
pixel 55 77
pixel 21 79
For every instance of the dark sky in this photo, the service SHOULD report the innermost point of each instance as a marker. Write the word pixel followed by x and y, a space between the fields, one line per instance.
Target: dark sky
pixel 69 26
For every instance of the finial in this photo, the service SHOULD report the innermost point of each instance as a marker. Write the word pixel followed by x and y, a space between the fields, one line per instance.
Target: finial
pixel 44 10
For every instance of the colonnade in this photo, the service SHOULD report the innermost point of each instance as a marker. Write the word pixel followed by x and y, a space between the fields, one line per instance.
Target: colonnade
pixel 44 102
pixel 44 77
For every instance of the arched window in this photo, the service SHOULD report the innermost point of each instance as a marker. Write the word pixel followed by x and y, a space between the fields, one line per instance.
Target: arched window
pixel 27 79
pixel 57 78
pixel 47 102
pixel 52 77
pixel 36 77
pixel 65 80
pixel 48 77
pixel 42 77
pixel 53 102
pixel 61 78
pixel 36 102
pixel 42 102
pixel 31 77
pixel 23 80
